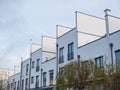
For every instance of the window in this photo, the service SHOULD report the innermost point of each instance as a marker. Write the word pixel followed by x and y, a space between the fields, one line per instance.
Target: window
pixel 37 65
pixel 14 85
pixel 18 85
pixel 117 55
pixel 70 51
pixel 44 79
pixel 11 86
pixel 37 81
pixel 99 61
pixel 22 84
pixel 33 64
pixel 32 79
pixel 27 68
pixel 26 84
pixel 61 55
pixel 51 73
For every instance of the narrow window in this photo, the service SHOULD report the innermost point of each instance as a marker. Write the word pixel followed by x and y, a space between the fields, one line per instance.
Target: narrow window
pixel 117 55
pixel 18 85
pixel 70 51
pixel 99 61
pixel 22 84
pixel 61 55
pixel 51 73
pixel 44 79
pixel 33 64
pixel 14 85
pixel 32 80
pixel 27 68
pixel 26 85
pixel 37 81
pixel 37 65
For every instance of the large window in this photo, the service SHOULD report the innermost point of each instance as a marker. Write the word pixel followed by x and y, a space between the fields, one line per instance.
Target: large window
pixel 99 61
pixel 33 64
pixel 27 68
pixel 37 81
pixel 37 65
pixel 117 55
pixel 44 79
pixel 51 73
pixel 61 55
pixel 71 51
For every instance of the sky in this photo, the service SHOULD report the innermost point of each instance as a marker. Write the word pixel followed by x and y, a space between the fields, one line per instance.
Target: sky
pixel 22 20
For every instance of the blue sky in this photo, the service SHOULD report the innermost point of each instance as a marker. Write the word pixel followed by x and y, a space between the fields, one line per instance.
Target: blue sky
pixel 22 20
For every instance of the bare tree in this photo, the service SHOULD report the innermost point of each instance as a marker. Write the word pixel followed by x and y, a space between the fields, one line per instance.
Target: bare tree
pixel 86 74
pixel 74 75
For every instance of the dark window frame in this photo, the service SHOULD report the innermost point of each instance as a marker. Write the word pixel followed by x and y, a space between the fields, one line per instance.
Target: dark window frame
pixel 61 55
pixel 37 65
pixel 117 63
pixel 27 69
pixel 101 63
pixel 51 77
pixel 32 80
pixel 44 79
pixel 37 81
pixel 33 64
pixel 71 51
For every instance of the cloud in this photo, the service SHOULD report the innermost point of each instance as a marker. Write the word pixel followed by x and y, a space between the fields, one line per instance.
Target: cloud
pixel 22 20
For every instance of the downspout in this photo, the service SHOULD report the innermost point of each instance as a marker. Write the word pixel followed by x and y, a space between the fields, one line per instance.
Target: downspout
pixel 21 73
pixel 30 65
pixel 41 77
pixel 56 64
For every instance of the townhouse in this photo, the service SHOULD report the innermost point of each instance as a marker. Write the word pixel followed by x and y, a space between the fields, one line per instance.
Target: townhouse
pixel 87 40
pixel 38 71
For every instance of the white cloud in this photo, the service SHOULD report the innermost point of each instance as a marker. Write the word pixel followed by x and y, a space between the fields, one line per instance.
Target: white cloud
pixel 21 20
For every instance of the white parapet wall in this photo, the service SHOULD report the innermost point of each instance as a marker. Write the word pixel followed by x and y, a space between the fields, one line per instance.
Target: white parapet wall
pixel 89 28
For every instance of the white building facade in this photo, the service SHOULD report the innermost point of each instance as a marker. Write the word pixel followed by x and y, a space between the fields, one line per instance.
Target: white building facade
pixel 87 40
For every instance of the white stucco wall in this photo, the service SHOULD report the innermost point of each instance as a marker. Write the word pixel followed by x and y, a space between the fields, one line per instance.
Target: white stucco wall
pixel 64 40
pixel 24 76
pixel 47 66
pixel 60 30
pixel 99 47
pixel 48 48
pixel 94 28
pixel 114 24
pixel 36 55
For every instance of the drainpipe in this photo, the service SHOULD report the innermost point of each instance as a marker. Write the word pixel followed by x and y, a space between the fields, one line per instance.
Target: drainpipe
pixel 56 63
pixel 30 63
pixel 41 77
pixel 57 60
pixel 21 73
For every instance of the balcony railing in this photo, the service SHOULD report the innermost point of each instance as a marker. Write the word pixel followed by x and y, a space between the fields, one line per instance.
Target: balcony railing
pixel 61 59
pixel 37 68
pixel 70 55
